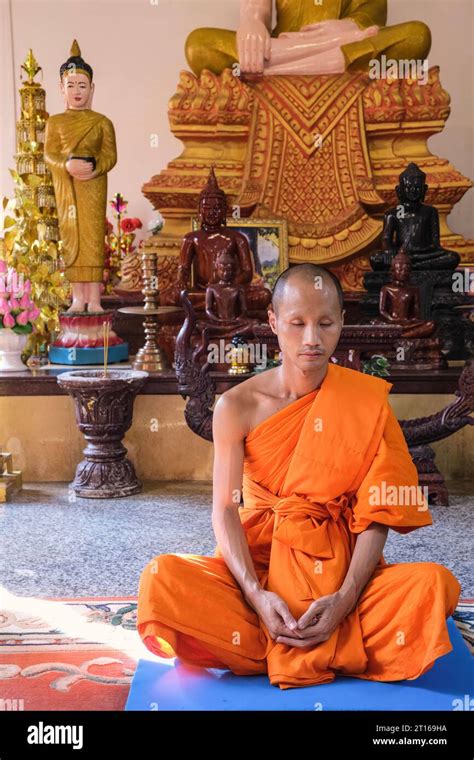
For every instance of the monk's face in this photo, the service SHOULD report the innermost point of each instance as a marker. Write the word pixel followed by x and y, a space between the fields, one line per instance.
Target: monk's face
pixel 308 322
pixel 77 89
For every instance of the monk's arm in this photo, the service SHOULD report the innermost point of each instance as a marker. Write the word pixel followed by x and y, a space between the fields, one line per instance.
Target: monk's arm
pixel 367 552
pixel 228 438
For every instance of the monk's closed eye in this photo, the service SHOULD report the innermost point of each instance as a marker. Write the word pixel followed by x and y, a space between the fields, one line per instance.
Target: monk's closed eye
pixel 323 324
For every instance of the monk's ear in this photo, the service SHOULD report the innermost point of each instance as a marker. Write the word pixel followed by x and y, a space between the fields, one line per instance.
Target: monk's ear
pixel 271 317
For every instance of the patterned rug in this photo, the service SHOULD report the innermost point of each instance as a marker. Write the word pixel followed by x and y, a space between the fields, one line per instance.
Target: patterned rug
pixel 81 654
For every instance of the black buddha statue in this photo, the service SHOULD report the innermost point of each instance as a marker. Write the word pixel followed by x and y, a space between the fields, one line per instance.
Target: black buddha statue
pixel 414 226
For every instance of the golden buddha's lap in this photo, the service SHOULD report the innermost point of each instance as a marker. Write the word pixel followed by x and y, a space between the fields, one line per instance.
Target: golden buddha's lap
pixel 211 48
pixel 216 49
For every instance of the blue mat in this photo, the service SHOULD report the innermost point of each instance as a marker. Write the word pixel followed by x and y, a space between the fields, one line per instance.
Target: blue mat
pixel 173 685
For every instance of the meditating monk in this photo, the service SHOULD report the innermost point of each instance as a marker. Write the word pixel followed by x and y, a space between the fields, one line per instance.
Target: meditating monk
pixel 298 587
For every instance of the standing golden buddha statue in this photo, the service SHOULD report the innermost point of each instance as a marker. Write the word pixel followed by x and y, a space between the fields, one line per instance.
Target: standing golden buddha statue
pixel 79 151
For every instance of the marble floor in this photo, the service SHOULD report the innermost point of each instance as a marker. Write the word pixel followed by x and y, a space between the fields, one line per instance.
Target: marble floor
pixel 54 544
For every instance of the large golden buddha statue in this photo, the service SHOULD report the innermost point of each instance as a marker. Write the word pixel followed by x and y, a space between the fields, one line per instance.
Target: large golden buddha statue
pixel 327 37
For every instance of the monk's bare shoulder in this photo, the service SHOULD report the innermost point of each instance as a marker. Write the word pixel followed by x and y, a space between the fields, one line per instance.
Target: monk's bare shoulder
pixel 238 408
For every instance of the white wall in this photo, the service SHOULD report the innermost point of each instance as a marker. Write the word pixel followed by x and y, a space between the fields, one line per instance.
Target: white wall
pixel 136 50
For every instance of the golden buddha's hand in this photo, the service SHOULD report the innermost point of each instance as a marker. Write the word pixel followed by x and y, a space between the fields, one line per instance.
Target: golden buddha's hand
pixel 274 613
pixel 80 169
pixel 253 45
pixel 91 175
pixel 319 621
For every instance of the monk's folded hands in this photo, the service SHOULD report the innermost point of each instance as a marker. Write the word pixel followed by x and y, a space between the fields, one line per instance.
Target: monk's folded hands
pixel 275 614
pixel 319 621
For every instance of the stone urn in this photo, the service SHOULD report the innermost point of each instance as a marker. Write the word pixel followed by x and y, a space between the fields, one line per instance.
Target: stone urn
pixel 104 411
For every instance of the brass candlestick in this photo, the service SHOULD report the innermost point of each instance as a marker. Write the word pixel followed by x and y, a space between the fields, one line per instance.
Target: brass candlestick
pixel 150 358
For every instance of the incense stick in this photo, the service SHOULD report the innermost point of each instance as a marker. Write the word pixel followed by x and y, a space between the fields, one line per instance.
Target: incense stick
pixel 106 326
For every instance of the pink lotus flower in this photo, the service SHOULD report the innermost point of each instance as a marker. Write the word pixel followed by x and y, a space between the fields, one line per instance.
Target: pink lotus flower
pixel 23 318
pixel 25 301
pixel 33 314
pixel 14 304
pixel 8 320
pixel 4 308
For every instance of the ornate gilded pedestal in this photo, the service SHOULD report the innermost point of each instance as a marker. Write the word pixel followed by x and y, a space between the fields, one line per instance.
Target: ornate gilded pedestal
pixel 81 339
pixel 324 152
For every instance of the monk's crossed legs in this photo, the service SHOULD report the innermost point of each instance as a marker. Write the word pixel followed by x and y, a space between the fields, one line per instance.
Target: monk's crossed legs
pixel 192 607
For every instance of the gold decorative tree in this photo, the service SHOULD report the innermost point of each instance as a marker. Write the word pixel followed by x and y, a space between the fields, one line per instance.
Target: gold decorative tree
pixel 31 234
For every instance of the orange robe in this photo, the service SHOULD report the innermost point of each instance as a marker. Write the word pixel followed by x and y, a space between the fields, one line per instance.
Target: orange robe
pixel 309 471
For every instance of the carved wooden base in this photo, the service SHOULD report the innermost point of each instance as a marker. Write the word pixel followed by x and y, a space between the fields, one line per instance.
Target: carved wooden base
pixel 104 411
pixel 429 476
pixel 114 476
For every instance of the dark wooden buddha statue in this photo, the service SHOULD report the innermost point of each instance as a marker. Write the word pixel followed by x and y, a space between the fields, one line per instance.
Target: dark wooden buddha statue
pixel 201 248
pixel 400 301
pixel 414 226
pixel 226 303
pixel 226 307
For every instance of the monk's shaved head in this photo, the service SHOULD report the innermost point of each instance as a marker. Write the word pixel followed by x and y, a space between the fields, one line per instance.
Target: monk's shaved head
pixel 313 273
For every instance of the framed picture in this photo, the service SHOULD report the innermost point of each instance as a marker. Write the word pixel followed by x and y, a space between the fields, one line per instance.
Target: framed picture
pixel 268 241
